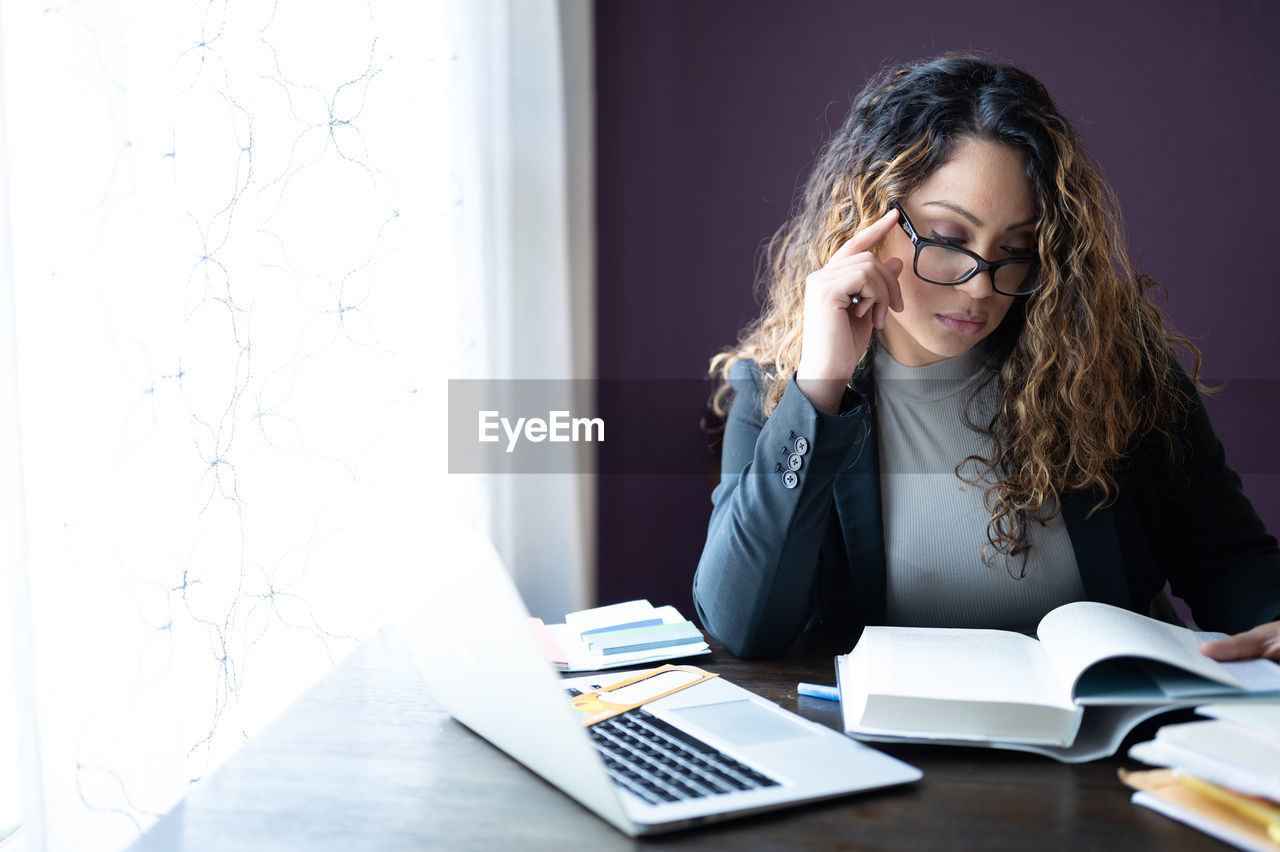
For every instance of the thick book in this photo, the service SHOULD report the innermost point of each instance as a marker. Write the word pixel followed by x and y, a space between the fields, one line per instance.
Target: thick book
pixel 1091 673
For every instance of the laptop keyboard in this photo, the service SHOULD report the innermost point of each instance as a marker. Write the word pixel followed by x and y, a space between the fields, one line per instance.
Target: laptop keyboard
pixel 660 763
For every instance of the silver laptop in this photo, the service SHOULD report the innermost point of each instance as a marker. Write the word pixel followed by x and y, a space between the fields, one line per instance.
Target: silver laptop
pixel 711 751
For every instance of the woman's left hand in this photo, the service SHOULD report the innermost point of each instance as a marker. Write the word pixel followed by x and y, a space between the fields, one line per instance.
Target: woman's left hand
pixel 1262 641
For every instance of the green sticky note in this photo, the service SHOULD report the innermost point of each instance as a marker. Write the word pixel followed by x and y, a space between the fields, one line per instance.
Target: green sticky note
pixel 645 638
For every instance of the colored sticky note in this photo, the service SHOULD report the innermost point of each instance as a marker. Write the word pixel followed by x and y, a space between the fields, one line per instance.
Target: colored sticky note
pixel 644 638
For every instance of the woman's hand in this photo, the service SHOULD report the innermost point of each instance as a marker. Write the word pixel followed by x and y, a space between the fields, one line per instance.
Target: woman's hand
pixel 837 327
pixel 1262 641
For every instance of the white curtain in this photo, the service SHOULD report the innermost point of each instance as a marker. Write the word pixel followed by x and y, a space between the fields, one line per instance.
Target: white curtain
pixel 530 155
pixel 245 248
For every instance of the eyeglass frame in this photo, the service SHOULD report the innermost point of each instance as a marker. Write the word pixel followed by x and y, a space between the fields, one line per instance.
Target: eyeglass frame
pixel 983 265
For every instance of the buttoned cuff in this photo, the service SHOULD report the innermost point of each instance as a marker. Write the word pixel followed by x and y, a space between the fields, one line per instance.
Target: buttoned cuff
pixel 809 434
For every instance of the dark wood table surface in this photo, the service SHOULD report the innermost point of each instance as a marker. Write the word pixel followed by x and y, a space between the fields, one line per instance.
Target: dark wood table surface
pixel 366 759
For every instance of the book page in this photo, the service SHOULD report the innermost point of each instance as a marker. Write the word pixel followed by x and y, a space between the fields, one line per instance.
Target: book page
pixel 989 666
pixel 1078 635
pixel 630 613
pixel 580 659
pixel 1262 718
pixel 1225 753
pixel 1100 731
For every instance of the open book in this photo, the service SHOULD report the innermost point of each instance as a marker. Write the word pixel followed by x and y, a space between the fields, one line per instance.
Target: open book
pixel 1094 673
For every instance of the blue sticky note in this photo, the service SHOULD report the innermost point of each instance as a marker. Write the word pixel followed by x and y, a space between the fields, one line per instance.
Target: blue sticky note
pixel 645 638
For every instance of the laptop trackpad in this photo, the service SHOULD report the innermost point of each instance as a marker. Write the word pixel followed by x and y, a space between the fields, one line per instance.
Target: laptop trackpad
pixel 743 723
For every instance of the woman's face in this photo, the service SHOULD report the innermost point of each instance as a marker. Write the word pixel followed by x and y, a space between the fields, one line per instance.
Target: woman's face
pixel 980 200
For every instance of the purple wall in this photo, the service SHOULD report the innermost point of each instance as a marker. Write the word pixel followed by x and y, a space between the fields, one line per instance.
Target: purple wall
pixel 710 113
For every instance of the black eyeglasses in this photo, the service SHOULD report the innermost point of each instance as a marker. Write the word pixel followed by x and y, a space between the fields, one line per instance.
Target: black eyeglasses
pixel 948 265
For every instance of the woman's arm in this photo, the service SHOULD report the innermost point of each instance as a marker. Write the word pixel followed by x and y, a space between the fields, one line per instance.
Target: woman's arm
pixel 1221 560
pixel 754 584
pixel 753 587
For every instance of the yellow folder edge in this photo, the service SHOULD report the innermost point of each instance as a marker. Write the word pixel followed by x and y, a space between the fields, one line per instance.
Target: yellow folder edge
pixel 1255 808
pixel 1171 788
pixel 596 706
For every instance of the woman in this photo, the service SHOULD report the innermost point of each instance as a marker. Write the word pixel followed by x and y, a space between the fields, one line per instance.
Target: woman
pixel 959 408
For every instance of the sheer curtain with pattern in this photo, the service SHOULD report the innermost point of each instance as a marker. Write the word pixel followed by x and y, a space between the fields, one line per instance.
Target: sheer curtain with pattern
pixel 243 248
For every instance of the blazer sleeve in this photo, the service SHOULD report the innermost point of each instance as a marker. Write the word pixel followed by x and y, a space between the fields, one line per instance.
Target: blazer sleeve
pixel 1221 560
pixel 753 586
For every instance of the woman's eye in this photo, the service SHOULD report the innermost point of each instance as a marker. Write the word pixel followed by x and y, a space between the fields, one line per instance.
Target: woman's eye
pixel 1019 251
pixel 940 238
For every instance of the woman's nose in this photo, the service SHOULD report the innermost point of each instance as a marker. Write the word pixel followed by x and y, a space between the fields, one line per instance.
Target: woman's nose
pixel 979 286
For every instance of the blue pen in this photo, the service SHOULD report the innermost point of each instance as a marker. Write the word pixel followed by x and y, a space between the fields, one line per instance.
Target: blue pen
pixel 814 690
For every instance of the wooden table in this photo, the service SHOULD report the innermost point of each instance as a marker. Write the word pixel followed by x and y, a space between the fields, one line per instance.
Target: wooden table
pixel 367 760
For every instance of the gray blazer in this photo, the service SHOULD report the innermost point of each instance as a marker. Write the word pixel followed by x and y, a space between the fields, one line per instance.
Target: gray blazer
pixel 796 538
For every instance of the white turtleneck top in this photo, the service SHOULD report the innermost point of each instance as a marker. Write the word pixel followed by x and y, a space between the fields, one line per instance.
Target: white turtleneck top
pixel 935 525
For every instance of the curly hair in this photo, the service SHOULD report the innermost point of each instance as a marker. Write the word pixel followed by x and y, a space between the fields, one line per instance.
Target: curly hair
pixel 1084 364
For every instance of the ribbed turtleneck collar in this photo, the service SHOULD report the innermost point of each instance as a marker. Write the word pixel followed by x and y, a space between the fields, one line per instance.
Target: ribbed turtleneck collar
pixel 931 382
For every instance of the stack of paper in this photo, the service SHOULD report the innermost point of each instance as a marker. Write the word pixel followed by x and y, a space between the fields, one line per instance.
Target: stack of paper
pixel 1223 776
pixel 625 634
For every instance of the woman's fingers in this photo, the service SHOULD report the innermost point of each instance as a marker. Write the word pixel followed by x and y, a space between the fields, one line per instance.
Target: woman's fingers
pixel 881 311
pixel 868 237
pixel 878 286
pixel 1262 642
pixel 852 293
pixel 867 277
pixel 889 293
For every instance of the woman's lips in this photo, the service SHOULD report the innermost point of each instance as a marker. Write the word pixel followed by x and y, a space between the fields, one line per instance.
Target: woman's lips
pixel 963 323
